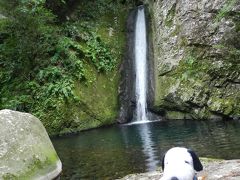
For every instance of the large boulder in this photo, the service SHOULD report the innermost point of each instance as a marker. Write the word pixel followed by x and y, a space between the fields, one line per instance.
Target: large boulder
pixel 26 151
pixel 197 55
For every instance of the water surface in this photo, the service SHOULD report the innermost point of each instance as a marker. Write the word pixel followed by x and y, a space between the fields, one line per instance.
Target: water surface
pixel 109 153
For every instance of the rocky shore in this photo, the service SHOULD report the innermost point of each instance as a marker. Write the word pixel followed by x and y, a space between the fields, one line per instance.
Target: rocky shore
pixel 213 170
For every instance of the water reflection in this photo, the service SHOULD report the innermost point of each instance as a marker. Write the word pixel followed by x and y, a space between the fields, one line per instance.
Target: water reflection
pixel 109 153
pixel 143 134
pixel 148 147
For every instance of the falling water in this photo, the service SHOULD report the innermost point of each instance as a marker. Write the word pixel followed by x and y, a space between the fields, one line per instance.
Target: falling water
pixel 141 65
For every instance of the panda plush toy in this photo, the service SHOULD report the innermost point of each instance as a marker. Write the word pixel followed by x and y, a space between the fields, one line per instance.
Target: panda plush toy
pixel 180 164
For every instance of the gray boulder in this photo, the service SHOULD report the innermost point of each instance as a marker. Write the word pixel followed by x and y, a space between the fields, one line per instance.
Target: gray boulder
pixel 26 151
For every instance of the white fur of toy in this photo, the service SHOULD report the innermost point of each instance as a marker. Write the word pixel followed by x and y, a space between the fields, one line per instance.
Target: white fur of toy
pixel 178 163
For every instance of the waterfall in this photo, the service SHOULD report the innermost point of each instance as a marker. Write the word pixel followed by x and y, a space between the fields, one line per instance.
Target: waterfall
pixel 136 90
pixel 141 65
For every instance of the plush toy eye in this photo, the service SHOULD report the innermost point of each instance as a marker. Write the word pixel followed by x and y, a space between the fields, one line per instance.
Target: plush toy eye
pixel 187 162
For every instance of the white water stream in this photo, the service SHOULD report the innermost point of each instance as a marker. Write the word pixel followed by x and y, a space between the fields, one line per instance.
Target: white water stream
pixel 141 66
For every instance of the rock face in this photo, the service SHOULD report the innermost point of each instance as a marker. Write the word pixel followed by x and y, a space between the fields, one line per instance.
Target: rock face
pixel 197 54
pixel 127 83
pixel 26 151
pixel 219 170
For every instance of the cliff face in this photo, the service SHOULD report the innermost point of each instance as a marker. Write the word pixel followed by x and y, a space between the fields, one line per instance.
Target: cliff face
pixel 197 54
pixel 127 83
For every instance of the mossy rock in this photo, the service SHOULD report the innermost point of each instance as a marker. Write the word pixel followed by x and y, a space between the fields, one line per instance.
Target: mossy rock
pixel 26 151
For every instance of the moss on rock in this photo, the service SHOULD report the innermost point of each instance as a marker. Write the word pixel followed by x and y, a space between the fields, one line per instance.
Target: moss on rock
pixel 29 153
pixel 197 59
pixel 95 100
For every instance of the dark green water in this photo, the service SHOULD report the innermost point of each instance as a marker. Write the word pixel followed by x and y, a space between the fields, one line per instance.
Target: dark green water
pixel 114 152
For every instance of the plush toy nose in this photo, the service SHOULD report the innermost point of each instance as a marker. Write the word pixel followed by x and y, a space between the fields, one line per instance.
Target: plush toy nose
pixel 174 178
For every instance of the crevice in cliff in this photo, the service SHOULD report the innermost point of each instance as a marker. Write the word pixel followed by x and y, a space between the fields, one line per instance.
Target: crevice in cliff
pixel 165 73
pixel 199 45
pixel 127 83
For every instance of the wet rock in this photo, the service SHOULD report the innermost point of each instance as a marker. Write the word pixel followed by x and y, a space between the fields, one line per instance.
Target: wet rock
pixel 197 55
pixel 26 151
pixel 127 82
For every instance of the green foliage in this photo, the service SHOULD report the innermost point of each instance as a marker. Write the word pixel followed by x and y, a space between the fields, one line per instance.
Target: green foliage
pixel 189 63
pixel 42 57
pixel 67 56
pixel 99 54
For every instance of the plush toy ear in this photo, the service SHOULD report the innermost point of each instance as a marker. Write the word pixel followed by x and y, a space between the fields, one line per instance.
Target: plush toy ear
pixel 163 158
pixel 197 165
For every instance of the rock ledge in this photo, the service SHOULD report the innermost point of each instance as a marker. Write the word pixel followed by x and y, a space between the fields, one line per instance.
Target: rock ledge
pixel 213 170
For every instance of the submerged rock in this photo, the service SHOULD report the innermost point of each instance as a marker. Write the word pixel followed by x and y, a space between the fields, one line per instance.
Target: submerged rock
pixel 26 151
pixel 197 55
